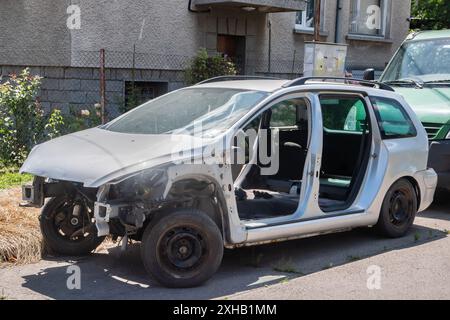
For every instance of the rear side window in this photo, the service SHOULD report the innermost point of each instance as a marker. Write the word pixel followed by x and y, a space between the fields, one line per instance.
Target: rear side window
pixel 393 120
pixel 345 113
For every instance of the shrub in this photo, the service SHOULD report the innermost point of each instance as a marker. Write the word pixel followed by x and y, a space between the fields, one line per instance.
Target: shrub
pixel 77 120
pixel 55 124
pixel 21 118
pixel 204 67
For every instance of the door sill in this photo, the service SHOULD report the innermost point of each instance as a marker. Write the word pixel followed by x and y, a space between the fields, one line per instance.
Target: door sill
pixel 258 225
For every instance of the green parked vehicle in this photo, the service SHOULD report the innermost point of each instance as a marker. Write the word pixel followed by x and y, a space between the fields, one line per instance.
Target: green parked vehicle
pixel 420 71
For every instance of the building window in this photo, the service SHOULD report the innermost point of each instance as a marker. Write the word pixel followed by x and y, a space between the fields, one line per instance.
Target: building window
pixel 305 19
pixel 139 92
pixel 368 17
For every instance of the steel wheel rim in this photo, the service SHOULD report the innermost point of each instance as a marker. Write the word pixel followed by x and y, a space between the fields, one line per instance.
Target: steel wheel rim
pixel 182 248
pixel 400 207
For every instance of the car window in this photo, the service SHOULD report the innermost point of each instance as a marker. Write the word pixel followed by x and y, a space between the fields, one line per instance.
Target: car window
pixel 343 113
pixel 284 114
pixel 393 120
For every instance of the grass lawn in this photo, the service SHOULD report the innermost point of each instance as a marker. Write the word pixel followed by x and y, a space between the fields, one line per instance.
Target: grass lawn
pixel 10 179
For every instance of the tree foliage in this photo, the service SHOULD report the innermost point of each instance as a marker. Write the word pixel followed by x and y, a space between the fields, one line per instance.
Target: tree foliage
pixel 431 14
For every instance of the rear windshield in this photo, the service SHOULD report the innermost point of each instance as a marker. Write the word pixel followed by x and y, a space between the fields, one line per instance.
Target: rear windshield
pixel 194 111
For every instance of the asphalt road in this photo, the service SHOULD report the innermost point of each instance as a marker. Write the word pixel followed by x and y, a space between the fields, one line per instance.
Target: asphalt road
pixel 352 265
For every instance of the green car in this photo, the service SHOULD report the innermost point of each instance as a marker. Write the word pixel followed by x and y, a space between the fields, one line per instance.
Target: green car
pixel 420 71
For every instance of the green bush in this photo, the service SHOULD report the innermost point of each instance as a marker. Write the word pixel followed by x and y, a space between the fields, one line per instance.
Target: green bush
pixel 22 120
pixel 59 123
pixel 77 120
pixel 204 67
pixel 55 124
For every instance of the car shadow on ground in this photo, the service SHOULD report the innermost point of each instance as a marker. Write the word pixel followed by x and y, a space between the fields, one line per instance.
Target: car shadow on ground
pixel 121 275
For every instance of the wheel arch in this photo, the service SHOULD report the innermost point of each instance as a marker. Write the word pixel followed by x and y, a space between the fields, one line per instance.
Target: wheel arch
pixel 416 187
pixel 217 209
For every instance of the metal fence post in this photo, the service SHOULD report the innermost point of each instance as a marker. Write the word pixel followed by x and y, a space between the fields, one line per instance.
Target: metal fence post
pixel 102 85
pixel 293 64
pixel 317 10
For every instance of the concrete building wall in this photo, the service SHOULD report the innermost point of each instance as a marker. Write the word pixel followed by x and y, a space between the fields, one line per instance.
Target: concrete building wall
pixel 35 32
pixel 376 53
pixel 363 51
pixel 160 26
pixel 41 26
pixel 165 35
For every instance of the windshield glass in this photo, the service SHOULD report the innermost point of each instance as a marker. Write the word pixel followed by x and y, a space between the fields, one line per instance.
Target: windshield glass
pixel 427 60
pixel 205 112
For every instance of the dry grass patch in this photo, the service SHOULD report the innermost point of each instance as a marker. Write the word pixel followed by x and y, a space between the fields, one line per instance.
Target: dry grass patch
pixel 20 236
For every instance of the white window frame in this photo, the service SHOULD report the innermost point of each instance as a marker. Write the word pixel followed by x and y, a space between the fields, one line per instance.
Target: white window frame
pixel 302 26
pixel 383 33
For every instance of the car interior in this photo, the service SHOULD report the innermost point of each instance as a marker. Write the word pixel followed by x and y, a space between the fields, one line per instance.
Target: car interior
pixel 346 145
pixel 346 149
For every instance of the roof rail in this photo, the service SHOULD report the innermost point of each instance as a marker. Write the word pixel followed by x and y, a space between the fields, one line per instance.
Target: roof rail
pixel 373 84
pixel 235 78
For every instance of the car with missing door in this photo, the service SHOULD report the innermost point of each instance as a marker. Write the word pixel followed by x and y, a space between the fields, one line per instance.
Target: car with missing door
pixel 183 175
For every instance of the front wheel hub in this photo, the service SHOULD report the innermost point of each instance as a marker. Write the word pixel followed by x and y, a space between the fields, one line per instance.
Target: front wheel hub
pixel 74 221
pixel 184 248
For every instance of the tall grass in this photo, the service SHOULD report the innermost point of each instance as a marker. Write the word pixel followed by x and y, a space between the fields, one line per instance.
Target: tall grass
pixel 11 178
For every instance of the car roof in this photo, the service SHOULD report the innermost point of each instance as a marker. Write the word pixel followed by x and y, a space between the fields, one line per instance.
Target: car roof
pixel 429 35
pixel 275 85
pixel 254 84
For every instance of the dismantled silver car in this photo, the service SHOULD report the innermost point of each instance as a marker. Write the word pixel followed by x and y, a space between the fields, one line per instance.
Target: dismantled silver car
pixel 234 162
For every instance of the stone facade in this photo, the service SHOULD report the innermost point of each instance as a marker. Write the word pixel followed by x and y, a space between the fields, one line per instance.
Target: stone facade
pixel 70 87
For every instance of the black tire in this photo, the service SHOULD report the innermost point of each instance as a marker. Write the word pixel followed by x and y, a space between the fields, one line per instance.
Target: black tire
pixel 57 228
pixel 398 210
pixel 182 249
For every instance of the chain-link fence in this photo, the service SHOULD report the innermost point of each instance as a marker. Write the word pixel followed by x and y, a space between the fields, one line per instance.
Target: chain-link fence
pixel 80 78
pixel 157 61
pixel 289 67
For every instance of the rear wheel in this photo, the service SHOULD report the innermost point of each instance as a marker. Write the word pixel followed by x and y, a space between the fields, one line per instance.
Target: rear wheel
pixel 68 227
pixel 399 209
pixel 182 249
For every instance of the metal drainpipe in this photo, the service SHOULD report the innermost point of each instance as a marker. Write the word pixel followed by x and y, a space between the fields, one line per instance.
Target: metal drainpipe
pixel 269 66
pixel 337 30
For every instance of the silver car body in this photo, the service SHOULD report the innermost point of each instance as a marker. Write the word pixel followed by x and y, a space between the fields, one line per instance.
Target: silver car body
pixel 98 158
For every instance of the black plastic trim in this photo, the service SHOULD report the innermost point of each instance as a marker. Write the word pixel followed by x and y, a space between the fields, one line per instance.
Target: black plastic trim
pixel 302 81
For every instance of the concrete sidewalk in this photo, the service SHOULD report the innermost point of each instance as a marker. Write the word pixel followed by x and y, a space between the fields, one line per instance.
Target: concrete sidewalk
pixel 326 267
